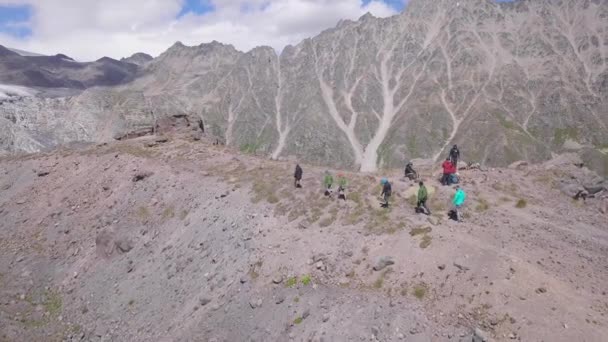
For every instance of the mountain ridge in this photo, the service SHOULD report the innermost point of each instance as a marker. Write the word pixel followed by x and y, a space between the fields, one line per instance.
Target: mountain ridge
pixel 506 81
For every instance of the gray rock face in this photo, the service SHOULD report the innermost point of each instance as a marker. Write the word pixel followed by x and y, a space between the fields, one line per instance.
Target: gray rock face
pixel 139 58
pixel 504 81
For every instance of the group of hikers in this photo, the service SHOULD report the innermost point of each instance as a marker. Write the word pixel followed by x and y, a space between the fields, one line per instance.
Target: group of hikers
pixel 449 177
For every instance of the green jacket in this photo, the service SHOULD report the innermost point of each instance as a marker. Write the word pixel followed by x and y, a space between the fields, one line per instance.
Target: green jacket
pixel 342 182
pixel 328 180
pixel 422 193
pixel 459 197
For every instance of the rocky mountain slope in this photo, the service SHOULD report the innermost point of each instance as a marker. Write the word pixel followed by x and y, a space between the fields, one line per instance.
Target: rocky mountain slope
pixel 505 81
pixel 173 239
pixel 61 71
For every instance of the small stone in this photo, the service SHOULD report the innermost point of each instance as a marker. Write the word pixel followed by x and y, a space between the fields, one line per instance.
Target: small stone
pixel 42 173
pixel 243 279
pixel 124 245
pixel 441 267
pixel 400 336
pixel 306 313
pixel 277 279
pixel 280 298
pixel 255 303
pixel 375 331
pixel 512 336
pixel 461 267
pixel 541 290
pixel 204 301
pixel 320 265
pixel 383 262
pixel 142 175
pixel 480 336
pixel 325 318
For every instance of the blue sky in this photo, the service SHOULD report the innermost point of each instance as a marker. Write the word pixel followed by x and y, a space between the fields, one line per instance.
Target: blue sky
pixel 90 29
pixel 13 20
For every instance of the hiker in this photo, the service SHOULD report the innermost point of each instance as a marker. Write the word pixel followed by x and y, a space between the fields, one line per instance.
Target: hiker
pixel 422 197
pixel 341 187
pixel 328 181
pixel 410 172
pixel 298 176
pixel 386 192
pixel 454 155
pixel 458 201
pixel 581 194
pixel 448 170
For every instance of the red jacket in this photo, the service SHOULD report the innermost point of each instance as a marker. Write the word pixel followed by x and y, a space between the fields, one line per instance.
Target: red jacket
pixel 448 167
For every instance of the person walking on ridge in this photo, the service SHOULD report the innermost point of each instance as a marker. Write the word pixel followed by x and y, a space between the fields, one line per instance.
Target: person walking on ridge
pixel 459 197
pixel 448 169
pixel 454 156
pixel 328 181
pixel 410 172
pixel 422 197
pixel 298 176
pixel 342 187
pixel 386 192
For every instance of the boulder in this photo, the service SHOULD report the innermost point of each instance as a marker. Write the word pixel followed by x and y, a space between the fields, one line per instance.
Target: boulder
pixel 518 165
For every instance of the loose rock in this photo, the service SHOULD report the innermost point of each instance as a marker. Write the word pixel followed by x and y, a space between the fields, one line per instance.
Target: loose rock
pixel 383 262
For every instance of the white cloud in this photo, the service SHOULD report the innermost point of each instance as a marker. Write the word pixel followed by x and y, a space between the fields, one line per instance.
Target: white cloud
pixel 90 29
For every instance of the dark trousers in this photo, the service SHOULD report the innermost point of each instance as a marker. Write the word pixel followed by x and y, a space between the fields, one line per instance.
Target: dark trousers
pixel 445 180
pixel 341 193
pixel 386 198
pixel 422 204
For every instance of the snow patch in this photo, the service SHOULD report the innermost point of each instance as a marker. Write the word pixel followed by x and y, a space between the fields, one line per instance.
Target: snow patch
pixel 8 91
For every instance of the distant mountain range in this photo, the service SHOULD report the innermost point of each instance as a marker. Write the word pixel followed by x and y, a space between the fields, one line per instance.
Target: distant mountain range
pixel 504 81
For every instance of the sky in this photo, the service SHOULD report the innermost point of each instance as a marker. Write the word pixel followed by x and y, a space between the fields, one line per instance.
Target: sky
pixel 90 29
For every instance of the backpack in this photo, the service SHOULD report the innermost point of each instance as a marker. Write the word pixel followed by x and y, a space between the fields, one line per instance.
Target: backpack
pixel 454 179
pixel 452 215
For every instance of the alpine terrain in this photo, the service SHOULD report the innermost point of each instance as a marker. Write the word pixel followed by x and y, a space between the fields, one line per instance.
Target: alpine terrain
pixel 503 80
pixel 157 199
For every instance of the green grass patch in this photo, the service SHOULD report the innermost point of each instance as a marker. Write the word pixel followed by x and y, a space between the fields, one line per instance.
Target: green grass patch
pixel 315 215
pixel 291 282
pixel 306 280
pixel 521 203
pixel 295 212
pixel 168 213
pixel 482 205
pixel 52 303
pixel 426 241
pixel 420 231
pixel 412 200
pixel 420 291
pixel 379 282
pixel 264 191
pixel 298 320
pixel 143 213
pixel 326 222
